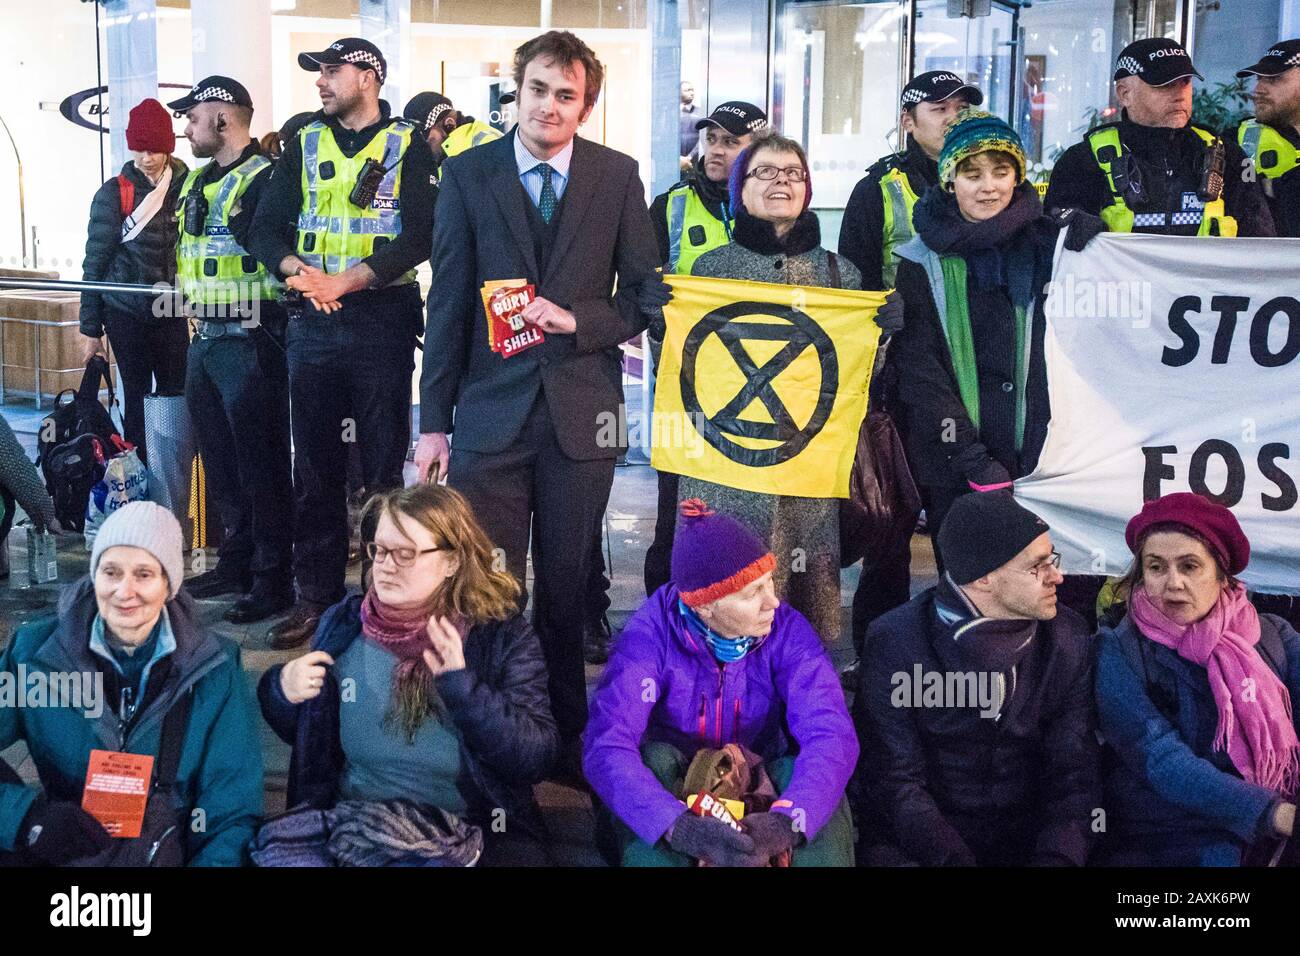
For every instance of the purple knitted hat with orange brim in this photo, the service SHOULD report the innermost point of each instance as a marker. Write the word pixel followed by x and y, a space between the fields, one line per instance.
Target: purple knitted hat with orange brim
pixel 715 555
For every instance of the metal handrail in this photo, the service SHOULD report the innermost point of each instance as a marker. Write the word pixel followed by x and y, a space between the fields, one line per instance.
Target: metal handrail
pixel 84 285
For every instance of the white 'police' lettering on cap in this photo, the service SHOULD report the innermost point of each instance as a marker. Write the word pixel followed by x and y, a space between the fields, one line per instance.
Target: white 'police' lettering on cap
pixel 943 78
pixel 1167 51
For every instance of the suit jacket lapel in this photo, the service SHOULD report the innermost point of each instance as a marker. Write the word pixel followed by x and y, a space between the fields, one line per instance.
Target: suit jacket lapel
pixel 510 197
pixel 578 194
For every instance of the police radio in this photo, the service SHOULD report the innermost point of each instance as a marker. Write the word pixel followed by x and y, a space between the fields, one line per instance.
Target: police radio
pixel 1211 187
pixel 196 212
pixel 367 184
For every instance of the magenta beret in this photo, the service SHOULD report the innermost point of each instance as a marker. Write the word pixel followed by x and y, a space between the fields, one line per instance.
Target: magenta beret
pixel 1212 521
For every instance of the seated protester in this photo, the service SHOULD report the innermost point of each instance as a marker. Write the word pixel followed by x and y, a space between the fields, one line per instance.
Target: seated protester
pixel 170 690
pixel 447 702
pixel 974 707
pixel 1195 693
pixel 714 658
pixel 971 379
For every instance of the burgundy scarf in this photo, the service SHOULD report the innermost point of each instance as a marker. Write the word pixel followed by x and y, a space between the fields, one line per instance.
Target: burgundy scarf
pixel 1255 725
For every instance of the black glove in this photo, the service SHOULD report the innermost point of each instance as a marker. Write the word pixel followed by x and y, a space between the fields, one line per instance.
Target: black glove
pixel 60 832
pixel 989 476
pixel 710 840
pixel 1080 228
pixel 772 833
pixel 890 315
pixel 653 294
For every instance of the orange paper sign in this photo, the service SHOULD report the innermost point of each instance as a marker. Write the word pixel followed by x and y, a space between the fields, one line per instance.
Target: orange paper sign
pixel 117 789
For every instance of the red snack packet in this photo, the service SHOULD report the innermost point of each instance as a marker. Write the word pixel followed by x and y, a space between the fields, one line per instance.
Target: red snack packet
pixel 508 333
pixel 706 805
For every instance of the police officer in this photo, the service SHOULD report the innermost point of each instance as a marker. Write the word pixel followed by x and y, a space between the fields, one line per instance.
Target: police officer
pixel 236 383
pixel 878 217
pixel 877 220
pixel 347 216
pixel 1153 171
pixel 1272 139
pixel 691 218
pixel 446 130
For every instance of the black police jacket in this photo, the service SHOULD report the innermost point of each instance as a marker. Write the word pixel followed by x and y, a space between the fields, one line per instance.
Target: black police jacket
pixel 862 228
pixel 1170 162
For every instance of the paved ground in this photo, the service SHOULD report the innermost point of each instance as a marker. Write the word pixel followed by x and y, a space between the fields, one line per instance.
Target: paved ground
pixel 629 530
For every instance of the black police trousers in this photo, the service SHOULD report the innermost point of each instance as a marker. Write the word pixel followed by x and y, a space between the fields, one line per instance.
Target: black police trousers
pixel 350 382
pixel 237 390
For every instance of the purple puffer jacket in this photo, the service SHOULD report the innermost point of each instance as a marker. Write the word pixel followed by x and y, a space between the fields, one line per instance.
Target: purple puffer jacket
pixel 663 684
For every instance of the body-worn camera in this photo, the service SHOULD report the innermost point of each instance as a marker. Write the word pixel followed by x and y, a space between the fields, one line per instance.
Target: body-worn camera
pixel 367 184
pixel 196 212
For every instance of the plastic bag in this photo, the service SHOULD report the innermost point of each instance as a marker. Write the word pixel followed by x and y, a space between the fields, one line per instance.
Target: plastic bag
pixel 125 480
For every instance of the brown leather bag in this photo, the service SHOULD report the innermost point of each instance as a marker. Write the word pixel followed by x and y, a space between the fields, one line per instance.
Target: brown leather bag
pixel 883 502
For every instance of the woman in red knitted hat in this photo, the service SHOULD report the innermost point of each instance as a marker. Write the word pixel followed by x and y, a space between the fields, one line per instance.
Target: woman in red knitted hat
pixel 1195 695
pixel 132 238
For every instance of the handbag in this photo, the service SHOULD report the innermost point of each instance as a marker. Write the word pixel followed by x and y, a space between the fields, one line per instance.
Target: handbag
pixel 883 502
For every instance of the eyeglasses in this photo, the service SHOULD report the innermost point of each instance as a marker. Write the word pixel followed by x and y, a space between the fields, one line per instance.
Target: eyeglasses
pixel 402 557
pixel 1054 561
pixel 794 174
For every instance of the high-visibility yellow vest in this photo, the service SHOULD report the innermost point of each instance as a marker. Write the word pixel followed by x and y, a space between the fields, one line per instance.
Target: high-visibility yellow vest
pixel 1271 152
pixel 688 217
pixel 212 268
pixel 333 234
pixel 898 199
pixel 467 136
pixel 1106 149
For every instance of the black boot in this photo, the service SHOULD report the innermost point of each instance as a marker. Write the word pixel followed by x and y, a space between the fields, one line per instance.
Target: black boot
pixel 219 581
pixel 263 601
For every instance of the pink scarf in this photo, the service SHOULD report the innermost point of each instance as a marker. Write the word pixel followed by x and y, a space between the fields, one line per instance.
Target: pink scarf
pixel 400 632
pixel 1255 725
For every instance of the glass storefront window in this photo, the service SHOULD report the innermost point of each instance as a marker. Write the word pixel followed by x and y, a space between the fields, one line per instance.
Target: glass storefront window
pixel 980 49
pixel 1068 52
pixel 836 88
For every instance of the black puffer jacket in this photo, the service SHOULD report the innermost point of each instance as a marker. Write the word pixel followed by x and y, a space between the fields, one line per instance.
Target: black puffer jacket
pixel 949 786
pixel 150 257
pixel 499 703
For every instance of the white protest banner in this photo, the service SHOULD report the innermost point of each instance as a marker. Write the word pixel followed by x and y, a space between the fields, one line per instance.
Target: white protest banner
pixel 1173 364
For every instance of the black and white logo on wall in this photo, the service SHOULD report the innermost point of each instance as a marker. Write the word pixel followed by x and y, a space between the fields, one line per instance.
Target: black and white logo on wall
pixel 88 108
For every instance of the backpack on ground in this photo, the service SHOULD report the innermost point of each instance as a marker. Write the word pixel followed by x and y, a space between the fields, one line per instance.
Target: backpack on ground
pixel 74 442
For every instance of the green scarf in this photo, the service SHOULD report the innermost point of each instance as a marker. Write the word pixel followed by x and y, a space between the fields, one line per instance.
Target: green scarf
pixel 961 345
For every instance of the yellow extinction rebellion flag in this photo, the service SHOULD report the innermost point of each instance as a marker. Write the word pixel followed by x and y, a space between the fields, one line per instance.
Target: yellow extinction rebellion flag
pixel 762 386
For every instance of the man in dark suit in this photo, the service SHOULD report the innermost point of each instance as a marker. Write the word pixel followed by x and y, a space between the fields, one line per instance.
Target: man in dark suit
pixel 536 432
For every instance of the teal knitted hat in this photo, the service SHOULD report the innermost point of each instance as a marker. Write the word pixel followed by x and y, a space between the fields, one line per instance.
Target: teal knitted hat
pixel 972 132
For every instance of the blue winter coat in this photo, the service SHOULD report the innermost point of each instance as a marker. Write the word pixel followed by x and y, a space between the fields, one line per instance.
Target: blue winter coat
pixel 498 702
pixel 1171 799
